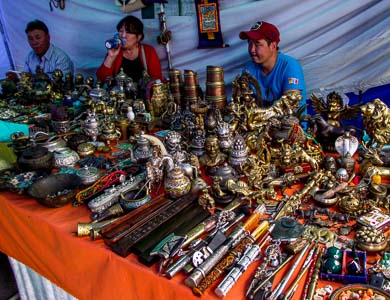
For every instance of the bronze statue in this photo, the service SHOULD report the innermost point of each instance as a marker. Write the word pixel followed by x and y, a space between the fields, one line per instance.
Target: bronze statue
pixel 334 108
pixel 213 156
pixel 286 105
pixel 207 201
pixel 376 121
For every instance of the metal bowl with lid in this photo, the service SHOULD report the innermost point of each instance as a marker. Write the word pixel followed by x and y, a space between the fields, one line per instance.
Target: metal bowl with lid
pixel 85 149
pixel 88 175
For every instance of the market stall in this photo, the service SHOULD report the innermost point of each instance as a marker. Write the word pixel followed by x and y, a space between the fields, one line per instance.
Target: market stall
pixel 111 213
pixel 198 183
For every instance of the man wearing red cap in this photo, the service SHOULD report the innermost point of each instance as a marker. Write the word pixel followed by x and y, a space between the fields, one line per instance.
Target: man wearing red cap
pixel 276 72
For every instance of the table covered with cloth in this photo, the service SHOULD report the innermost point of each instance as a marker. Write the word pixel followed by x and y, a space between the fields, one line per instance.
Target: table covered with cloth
pixel 42 239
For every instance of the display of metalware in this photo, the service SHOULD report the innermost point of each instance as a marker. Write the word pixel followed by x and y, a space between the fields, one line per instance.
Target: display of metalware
pixel 198 154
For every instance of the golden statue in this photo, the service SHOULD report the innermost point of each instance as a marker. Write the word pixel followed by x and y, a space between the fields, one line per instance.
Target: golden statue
pixel 286 105
pixel 158 102
pixel 376 121
pixel 207 201
pixel 334 108
pixel 213 156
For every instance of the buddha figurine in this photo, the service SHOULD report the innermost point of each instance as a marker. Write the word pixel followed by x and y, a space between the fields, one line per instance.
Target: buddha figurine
pixel 213 155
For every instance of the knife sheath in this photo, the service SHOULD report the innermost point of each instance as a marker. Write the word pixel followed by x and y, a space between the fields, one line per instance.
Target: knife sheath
pixel 123 246
pixel 115 231
pixel 179 225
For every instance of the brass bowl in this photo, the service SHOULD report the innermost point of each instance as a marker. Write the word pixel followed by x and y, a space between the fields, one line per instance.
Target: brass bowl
pixel 55 190
pixel 372 247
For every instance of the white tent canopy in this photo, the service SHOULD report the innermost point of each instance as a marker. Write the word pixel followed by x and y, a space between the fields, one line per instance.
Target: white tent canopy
pixel 342 45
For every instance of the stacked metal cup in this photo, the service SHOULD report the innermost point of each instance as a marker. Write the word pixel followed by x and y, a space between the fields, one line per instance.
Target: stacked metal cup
pixel 191 87
pixel 176 85
pixel 215 87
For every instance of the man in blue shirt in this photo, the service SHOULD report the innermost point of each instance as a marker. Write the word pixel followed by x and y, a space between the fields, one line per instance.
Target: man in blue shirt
pixel 276 72
pixel 44 54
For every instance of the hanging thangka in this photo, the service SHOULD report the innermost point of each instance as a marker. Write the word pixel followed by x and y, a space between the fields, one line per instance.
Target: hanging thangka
pixel 209 26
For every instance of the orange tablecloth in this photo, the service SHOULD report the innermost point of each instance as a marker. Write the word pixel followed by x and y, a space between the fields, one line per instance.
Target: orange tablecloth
pixel 42 239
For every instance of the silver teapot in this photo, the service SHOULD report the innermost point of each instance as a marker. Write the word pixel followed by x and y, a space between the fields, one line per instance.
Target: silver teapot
pixel 143 150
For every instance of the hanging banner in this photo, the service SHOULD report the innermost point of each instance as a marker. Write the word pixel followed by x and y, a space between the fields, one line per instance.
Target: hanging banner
pixel 209 25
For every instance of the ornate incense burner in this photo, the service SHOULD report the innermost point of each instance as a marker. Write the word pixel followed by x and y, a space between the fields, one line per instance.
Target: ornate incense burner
pixel 225 136
pixel 238 152
pixel 98 94
pixel 109 132
pixel 90 126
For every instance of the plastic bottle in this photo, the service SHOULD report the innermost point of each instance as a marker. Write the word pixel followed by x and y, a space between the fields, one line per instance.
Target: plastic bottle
pixel 115 42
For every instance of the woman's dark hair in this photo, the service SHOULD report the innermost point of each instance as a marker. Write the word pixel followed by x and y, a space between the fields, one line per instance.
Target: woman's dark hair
pixel 132 25
pixel 36 24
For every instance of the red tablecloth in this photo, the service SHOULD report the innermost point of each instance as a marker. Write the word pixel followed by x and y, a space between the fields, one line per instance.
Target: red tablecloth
pixel 42 239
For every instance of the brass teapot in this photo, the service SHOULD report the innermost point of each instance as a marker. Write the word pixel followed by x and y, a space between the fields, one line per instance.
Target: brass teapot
pixel 176 183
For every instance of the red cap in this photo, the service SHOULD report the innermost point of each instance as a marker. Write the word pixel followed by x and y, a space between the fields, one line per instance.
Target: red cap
pixel 261 30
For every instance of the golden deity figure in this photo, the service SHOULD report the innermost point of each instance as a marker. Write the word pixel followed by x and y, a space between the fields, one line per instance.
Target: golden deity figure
pixel 255 170
pixel 242 91
pixel 334 108
pixel 158 103
pixel 154 169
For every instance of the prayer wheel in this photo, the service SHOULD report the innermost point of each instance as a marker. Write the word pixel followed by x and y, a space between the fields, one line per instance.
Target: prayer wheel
pixel 176 85
pixel 215 87
pixel 191 86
